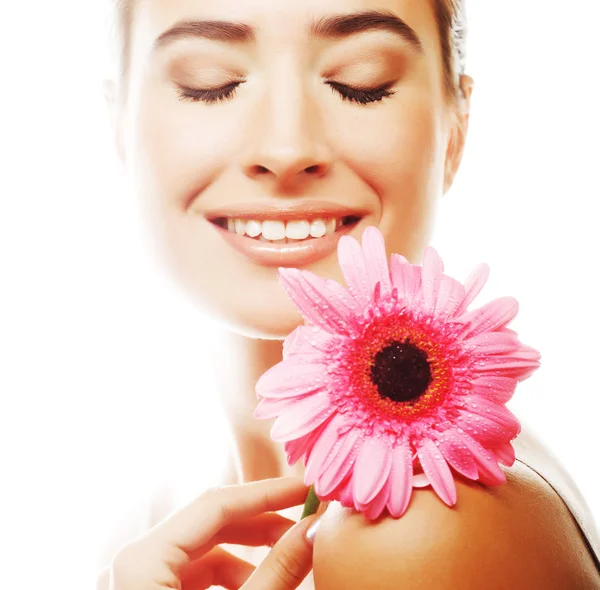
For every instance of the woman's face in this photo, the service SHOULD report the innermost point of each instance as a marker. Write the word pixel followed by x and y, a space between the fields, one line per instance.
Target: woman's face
pixel 284 132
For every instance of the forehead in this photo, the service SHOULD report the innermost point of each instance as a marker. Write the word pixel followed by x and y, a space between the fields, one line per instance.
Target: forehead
pixel 275 21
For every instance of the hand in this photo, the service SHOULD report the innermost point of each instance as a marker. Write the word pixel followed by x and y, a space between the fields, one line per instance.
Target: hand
pixel 182 552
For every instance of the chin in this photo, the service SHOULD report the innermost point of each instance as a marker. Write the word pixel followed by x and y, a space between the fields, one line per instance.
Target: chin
pixel 271 320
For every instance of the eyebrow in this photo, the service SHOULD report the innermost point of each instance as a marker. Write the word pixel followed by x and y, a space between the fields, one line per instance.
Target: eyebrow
pixel 338 26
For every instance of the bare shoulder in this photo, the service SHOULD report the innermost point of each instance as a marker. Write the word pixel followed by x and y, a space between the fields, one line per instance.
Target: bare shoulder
pixel 519 535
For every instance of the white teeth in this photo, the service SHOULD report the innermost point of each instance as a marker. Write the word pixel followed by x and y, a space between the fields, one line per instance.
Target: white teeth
pixel 317 228
pixel 297 229
pixel 253 228
pixel 240 226
pixel 281 232
pixel 273 230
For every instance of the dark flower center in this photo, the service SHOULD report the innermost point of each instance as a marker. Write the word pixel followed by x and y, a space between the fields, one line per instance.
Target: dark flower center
pixel 401 372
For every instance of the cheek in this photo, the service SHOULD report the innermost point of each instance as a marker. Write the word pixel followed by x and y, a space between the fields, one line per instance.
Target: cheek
pixel 181 147
pixel 396 148
pixel 177 150
pixel 399 154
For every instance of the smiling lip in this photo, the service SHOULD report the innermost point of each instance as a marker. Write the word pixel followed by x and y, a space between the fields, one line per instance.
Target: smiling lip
pixel 290 254
pixel 304 210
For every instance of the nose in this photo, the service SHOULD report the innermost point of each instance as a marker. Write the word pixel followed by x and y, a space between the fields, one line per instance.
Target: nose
pixel 287 142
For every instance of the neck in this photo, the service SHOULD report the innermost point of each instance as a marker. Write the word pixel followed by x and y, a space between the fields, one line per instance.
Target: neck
pixel 238 363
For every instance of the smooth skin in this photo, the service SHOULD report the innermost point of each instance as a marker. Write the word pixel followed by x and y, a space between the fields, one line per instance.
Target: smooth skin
pixel 284 136
pixel 183 551
pixel 517 536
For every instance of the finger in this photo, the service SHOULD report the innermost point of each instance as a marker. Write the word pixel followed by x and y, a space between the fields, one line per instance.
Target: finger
pixel 197 522
pixel 263 530
pixel 288 563
pixel 217 568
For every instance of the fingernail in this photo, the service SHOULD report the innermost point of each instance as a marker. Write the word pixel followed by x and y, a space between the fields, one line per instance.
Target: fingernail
pixel 312 530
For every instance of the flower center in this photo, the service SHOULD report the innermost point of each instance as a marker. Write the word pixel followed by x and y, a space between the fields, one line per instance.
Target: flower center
pixel 401 372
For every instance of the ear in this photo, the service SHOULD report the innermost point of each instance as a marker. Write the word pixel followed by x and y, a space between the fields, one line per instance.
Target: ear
pixel 115 113
pixel 458 133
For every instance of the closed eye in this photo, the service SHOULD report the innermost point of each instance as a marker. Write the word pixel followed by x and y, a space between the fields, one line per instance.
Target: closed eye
pixel 362 95
pixel 350 93
pixel 208 95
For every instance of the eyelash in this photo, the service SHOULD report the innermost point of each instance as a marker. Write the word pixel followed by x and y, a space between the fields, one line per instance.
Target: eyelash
pixel 362 95
pixel 357 95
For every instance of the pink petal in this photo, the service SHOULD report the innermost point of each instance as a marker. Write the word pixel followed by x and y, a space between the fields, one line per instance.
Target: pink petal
pixel 488 343
pixel 489 317
pixel 505 454
pixel 399 259
pixel 487 432
pixel 489 472
pixel 525 353
pixel 376 260
pixel 371 469
pixel 322 449
pixel 518 371
pixel 344 493
pixel 522 357
pixel 407 278
pixel 437 471
pixel 309 341
pixel 271 408
pixel 528 352
pixel 457 454
pixel 353 267
pixel 374 509
pixel 306 415
pixel 450 294
pixel 300 447
pixel 285 380
pixel 305 356
pixel 490 429
pixel 473 285
pixel 431 273
pixel 401 480
pixel 506 330
pixel 317 301
pixel 342 297
pixel 498 413
pixel 384 305
pixel 506 365
pixel 339 463
pixel 294 340
pixel 495 388
pixel 521 353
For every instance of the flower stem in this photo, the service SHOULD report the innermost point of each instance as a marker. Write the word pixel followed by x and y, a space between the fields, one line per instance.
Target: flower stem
pixel 311 504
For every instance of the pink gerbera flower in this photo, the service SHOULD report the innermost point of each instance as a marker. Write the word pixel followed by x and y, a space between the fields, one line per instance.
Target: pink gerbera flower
pixel 394 383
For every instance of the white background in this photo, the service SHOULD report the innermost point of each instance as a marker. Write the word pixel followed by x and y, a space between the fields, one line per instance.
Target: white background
pixel 103 363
